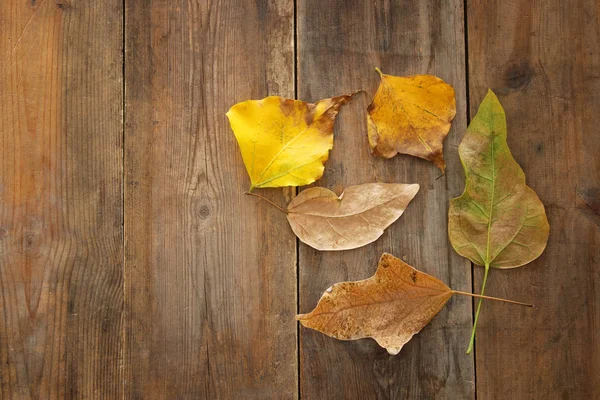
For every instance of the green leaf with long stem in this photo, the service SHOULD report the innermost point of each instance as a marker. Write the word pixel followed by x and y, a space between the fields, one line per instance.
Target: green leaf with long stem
pixel 498 221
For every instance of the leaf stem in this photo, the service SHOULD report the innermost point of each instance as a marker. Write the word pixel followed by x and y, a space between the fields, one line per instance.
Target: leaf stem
pixel 492 298
pixel 267 200
pixel 379 72
pixel 472 341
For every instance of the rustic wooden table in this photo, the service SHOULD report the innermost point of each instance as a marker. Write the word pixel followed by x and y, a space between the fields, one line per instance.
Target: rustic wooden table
pixel 132 265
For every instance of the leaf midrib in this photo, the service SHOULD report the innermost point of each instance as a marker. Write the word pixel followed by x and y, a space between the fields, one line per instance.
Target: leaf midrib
pixel 288 172
pixel 487 250
pixel 283 148
pixel 258 184
pixel 352 306
pixel 345 215
pixel 412 127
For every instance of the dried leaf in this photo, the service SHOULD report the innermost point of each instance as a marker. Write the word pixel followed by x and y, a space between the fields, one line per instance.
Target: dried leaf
pixel 411 115
pixel 358 217
pixel 390 307
pixel 498 221
pixel 284 142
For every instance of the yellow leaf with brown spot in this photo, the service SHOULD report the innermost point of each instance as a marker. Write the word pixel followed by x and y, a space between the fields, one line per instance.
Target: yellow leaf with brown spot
pixel 390 307
pixel 284 142
pixel 411 115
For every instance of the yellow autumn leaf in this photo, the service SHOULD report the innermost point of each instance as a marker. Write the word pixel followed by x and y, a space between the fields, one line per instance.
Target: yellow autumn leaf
pixel 411 115
pixel 284 142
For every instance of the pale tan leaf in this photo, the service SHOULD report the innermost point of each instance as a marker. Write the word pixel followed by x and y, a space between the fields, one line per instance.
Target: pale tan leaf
pixel 358 217
pixel 390 307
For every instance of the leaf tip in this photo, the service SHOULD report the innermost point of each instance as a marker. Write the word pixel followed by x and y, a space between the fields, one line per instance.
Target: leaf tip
pixel 440 163
pixel 491 95
pixel 232 111
pixel 385 256
pixel 393 350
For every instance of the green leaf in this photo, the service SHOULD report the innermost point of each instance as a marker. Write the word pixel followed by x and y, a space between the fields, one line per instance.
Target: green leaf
pixel 498 221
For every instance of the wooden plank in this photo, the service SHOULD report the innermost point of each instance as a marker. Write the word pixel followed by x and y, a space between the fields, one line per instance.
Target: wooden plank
pixel 210 273
pixel 542 59
pixel 339 45
pixel 61 258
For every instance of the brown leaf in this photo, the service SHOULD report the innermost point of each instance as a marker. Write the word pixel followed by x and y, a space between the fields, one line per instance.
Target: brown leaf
pixel 411 115
pixel 390 307
pixel 358 217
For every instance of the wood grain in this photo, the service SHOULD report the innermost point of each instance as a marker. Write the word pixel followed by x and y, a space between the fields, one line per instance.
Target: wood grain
pixel 195 296
pixel 339 45
pixel 61 294
pixel 544 68
pixel 210 276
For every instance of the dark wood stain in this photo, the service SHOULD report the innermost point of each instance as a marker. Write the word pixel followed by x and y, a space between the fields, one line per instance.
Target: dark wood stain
pixel 518 76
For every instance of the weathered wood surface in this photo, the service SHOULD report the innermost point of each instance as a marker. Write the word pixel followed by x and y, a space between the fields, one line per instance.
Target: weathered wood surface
pixel 542 59
pixel 61 240
pixel 339 45
pixel 210 276
pixel 132 265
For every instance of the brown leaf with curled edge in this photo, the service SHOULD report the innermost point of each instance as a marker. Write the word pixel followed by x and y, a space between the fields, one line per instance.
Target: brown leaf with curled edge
pixel 390 307
pixel 411 115
pixel 358 217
